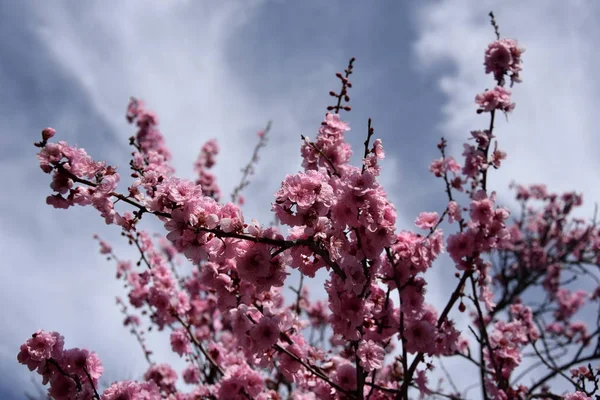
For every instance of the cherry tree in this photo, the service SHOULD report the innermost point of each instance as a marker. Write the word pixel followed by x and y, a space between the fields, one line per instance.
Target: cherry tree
pixel 376 336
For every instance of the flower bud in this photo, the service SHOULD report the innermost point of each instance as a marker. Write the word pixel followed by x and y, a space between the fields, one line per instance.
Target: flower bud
pixel 48 133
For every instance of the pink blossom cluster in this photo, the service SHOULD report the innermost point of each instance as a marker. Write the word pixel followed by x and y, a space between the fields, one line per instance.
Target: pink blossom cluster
pixel 70 165
pixel 376 336
pixel 503 57
pixel 551 247
pixel 152 152
pixel 506 342
pixel 496 99
pixel 476 159
pixel 69 372
pixel 329 150
pixel 206 179
pixel 131 390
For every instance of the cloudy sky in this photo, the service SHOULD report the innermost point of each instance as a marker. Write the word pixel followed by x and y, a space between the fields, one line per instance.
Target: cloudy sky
pixel 222 69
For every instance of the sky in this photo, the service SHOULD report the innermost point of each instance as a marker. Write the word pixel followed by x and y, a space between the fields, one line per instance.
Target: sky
pixel 222 70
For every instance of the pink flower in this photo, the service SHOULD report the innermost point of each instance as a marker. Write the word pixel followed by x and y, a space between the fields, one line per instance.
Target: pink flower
pixel 240 382
pixel 482 211
pixel 332 151
pixel 420 337
pixel 48 133
pixel 257 266
pixel 81 360
pixel 163 375
pixel 63 388
pixel 42 346
pixel 577 396
pixel 191 374
pixel 345 376
pixel 495 99
pixel 569 303
pixel 378 149
pixel 302 198
pixel 371 355
pixel 460 245
pixel 206 160
pixel 335 124
pixel 437 167
pixel 132 391
pixel 426 220
pixel 289 365
pixel 180 342
pixel 454 212
pixel 265 333
pixel 421 381
pixel 503 56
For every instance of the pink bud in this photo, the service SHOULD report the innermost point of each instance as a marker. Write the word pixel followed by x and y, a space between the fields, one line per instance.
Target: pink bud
pixel 48 133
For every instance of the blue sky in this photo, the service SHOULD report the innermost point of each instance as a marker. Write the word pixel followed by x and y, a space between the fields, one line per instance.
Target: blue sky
pixel 222 69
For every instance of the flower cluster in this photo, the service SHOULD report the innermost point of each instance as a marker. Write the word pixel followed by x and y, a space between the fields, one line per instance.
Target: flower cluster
pixel 152 153
pixel 205 161
pixel 503 57
pixel 69 372
pixel 70 165
pixel 132 391
pixel 377 335
pixel 329 150
pixel 496 99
